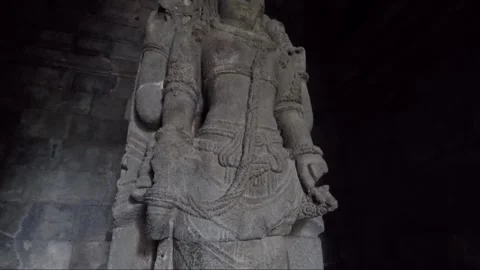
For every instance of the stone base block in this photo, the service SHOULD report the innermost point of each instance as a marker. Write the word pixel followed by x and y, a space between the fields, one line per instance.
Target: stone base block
pixel 130 249
pixel 267 253
pixel 304 252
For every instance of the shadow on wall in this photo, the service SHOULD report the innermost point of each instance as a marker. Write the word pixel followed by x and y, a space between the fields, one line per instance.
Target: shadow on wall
pixel 23 24
pixel 395 92
pixel 68 69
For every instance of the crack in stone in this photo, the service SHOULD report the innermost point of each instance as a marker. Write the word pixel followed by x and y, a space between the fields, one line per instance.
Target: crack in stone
pixel 19 226
pixel 7 234
pixel 17 254
pixel 22 220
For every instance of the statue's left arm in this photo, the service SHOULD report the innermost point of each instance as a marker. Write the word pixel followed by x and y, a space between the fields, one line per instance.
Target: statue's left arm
pixel 289 112
pixel 277 32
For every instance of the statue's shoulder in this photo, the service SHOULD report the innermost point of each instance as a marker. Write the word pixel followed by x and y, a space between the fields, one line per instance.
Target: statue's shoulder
pixel 272 25
pixel 276 31
pixel 158 29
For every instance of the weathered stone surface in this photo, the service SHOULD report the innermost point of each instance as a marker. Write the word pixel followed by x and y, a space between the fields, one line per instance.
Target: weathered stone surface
pixel 93 46
pixel 108 108
pixel 99 64
pixel 44 124
pixel 125 66
pixel 54 78
pixel 131 249
pixel 124 89
pixel 57 102
pixel 12 216
pixel 109 131
pixel 304 252
pixel 95 84
pixel 43 254
pixel 149 4
pixel 80 188
pixel 81 156
pixel 81 103
pixel 73 157
pixel 126 51
pixel 81 127
pixel 13 184
pixel 89 255
pixel 94 223
pixel 48 222
pixel 8 257
pixel 112 30
pixel 38 96
pixel 56 39
pixel 58 178
pixel 265 253
pixel 128 110
pixel 37 153
pixel 123 12
pixel 70 187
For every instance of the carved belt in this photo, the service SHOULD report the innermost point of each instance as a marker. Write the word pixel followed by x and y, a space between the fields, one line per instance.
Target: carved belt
pixel 242 70
pixel 230 151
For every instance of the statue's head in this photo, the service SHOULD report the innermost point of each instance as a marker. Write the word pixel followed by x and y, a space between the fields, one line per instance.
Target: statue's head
pixel 181 6
pixel 245 11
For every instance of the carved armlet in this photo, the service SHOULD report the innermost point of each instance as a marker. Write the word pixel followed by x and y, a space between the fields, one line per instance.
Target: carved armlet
pixel 305 149
pixel 181 87
pixel 179 80
pixel 292 98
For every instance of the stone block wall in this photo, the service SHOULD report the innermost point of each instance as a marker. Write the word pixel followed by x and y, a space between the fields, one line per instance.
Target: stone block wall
pixel 64 102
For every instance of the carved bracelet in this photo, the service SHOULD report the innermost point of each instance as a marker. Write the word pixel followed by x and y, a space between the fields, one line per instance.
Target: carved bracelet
pixel 305 149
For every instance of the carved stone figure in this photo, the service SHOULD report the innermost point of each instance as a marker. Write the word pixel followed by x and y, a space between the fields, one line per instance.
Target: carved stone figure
pixel 219 148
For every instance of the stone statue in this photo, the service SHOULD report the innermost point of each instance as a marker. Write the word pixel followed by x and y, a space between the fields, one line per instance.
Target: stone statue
pixel 222 154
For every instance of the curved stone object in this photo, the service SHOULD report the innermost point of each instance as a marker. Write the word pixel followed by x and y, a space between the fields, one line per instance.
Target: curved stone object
pixel 148 104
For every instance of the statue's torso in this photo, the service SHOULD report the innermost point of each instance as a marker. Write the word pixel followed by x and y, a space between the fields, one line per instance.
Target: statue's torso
pixel 239 178
pixel 229 60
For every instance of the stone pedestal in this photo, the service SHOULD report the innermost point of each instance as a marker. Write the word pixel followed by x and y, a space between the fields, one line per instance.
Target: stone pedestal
pixel 130 249
pixel 304 252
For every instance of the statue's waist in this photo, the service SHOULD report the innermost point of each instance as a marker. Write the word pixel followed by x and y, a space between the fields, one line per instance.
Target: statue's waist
pixel 234 136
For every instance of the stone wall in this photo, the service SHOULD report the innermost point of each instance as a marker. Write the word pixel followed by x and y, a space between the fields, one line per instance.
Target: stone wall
pixel 64 105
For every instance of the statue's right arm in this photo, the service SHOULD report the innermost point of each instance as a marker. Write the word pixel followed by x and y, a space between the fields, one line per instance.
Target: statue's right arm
pixel 153 68
pixel 182 87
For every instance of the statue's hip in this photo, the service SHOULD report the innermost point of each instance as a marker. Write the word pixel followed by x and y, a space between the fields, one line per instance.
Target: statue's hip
pixel 213 186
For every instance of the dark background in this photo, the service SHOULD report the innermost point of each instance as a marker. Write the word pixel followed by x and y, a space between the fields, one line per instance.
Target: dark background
pixel 393 86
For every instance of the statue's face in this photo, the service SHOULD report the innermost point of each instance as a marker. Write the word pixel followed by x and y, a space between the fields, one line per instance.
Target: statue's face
pixel 246 11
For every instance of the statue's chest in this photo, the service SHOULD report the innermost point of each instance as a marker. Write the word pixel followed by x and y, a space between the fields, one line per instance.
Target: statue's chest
pixel 227 53
pixel 222 50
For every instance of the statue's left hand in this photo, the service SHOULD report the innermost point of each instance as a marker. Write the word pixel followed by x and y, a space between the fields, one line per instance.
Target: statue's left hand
pixel 310 168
